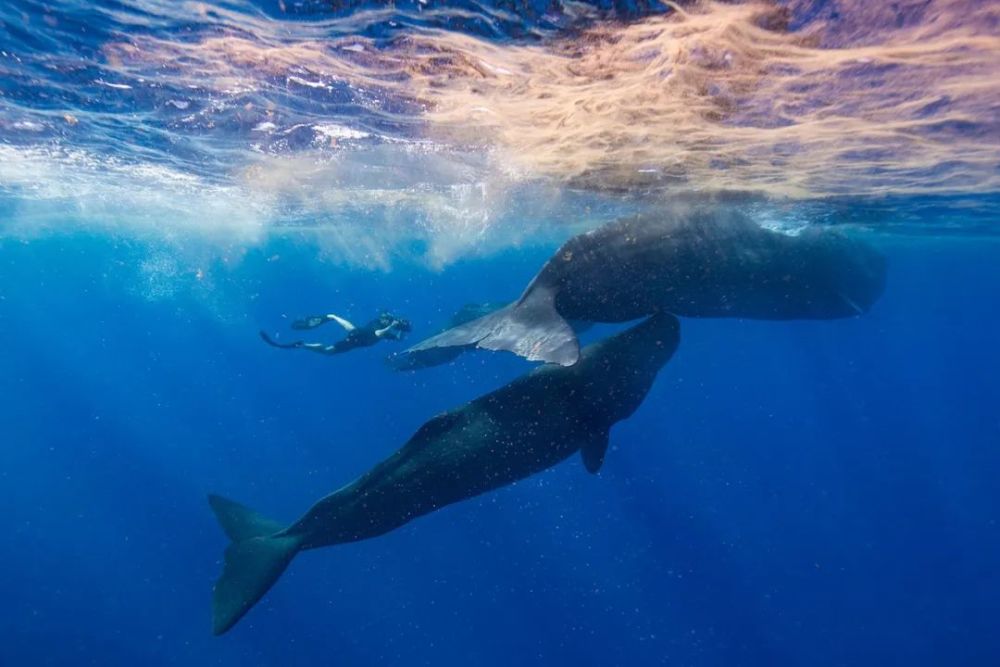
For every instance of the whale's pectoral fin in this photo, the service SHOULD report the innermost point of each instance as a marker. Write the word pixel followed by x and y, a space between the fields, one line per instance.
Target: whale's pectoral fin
pixel 254 561
pixel 593 449
pixel 530 327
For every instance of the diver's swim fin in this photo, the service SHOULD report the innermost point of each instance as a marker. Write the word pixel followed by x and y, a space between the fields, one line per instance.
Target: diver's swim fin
pixel 273 343
pixel 530 327
pixel 255 559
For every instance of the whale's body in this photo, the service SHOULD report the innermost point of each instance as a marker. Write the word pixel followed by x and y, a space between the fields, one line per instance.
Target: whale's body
pixel 715 263
pixel 527 426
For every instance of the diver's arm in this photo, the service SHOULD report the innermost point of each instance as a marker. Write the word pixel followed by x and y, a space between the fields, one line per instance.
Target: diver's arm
pixel 391 331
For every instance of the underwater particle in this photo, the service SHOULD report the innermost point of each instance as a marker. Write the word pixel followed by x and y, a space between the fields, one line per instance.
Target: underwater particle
pixel 159 277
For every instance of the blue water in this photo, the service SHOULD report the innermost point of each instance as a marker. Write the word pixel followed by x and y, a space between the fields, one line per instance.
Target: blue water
pixel 789 493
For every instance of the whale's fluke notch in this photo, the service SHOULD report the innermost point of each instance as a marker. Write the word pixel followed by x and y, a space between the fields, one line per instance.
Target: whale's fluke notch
pixel 530 327
pixel 256 558
pixel 592 451
pixel 239 521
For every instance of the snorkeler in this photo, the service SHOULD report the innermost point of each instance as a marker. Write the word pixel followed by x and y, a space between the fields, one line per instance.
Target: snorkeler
pixel 384 327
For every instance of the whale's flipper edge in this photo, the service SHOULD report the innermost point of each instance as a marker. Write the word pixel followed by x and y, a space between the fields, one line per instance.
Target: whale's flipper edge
pixel 254 561
pixel 531 327
pixel 592 451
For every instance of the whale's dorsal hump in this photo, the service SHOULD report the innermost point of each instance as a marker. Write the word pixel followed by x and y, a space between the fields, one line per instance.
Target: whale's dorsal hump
pixel 435 427
pixel 593 448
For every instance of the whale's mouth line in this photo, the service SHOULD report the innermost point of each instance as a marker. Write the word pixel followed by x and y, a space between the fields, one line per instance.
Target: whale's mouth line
pixel 858 310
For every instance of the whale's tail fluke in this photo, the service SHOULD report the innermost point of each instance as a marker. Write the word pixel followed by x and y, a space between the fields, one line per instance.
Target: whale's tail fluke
pixel 257 556
pixel 530 327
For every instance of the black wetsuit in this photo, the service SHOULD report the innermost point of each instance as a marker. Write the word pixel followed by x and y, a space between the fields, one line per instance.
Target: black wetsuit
pixel 364 336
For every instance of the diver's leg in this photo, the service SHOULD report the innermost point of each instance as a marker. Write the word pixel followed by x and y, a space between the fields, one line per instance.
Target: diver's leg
pixel 348 327
pixel 313 321
pixel 322 348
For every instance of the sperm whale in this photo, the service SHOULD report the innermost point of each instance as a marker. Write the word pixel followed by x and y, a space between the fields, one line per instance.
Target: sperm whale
pixel 533 423
pixel 705 263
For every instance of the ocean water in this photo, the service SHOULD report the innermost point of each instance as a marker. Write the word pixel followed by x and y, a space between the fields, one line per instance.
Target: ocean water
pixel 175 176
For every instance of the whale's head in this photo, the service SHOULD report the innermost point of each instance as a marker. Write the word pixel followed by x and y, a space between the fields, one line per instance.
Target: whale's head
pixel 617 372
pixel 850 273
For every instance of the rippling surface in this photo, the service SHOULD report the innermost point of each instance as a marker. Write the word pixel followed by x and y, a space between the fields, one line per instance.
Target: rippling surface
pixel 486 122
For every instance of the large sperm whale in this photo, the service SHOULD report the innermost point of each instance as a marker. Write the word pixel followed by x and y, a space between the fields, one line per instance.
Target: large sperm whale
pixel 523 428
pixel 716 263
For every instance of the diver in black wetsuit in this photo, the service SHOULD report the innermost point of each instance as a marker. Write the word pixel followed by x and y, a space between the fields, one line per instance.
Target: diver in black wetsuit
pixel 384 327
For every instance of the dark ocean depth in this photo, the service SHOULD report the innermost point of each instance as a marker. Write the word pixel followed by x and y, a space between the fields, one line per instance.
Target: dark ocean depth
pixel 818 493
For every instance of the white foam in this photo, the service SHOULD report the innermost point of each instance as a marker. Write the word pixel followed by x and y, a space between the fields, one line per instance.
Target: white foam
pixel 374 208
pixel 787 224
pixel 494 68
pixel 333 131
pixel 28 126
pixel 117 86
pixel 303 82
pixel 54 190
